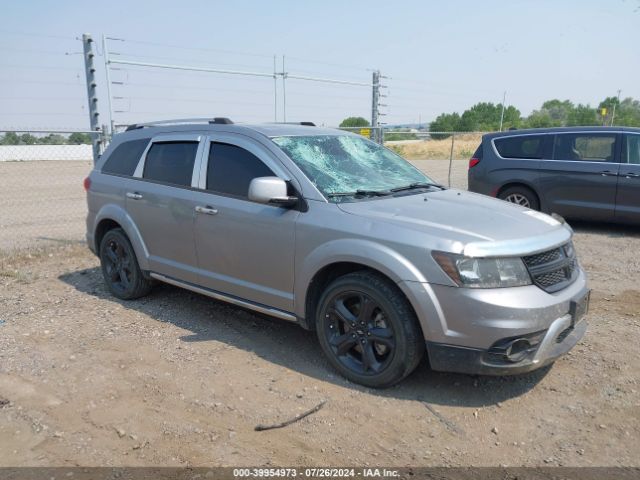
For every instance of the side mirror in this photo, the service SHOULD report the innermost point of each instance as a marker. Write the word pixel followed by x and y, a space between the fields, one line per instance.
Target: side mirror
pixel 270 190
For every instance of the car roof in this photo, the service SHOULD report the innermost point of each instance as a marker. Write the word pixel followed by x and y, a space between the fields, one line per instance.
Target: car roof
pixel 529 131
pixel 268 130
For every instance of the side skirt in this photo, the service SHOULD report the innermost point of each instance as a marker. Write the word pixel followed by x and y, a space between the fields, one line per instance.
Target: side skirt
pixel 274 312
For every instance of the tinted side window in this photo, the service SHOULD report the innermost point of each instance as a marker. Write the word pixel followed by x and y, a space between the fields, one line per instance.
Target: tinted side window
pixel 232 168
pixel 171 162
pixel 124 159
pixel 525 146
pixel 631 149
pixel 584 146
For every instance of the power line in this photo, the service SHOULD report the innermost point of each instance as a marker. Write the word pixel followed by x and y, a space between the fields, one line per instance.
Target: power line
pixel 183 47
pixel 44 67
pixel 41 35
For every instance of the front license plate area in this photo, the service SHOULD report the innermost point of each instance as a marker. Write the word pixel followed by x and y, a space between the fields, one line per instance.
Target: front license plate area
pixel 579 308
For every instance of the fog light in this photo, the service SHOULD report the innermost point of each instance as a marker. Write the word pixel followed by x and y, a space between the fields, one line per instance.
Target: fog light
pixel 517 350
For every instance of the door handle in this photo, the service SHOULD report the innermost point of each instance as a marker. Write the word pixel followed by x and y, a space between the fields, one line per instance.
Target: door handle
pixel 631 175
pixel 134 195
pixel 608 173
pixel 206 210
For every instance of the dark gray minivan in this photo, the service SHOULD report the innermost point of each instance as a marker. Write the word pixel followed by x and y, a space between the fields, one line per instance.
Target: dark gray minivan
pixel 590 173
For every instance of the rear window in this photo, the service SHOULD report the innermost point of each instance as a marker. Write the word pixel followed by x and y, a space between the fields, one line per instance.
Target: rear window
pixel 524 146
pixel 587 147
pixel 124 159
pixel 171 162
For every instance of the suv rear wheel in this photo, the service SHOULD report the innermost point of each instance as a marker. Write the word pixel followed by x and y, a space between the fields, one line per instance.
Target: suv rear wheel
pixel 522 196
pixel 368 330
pixel 120 267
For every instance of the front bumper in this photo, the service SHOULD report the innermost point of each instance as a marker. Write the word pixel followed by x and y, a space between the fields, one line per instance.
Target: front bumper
pixel 462 326
pixel 558 340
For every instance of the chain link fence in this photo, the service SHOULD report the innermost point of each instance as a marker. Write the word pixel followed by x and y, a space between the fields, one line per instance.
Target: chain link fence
pixel 42 200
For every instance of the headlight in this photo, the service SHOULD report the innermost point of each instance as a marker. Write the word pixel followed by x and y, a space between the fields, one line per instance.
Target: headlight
pixel 483 272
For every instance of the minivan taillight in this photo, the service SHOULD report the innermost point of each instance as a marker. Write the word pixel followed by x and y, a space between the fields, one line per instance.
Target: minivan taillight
pixel 473 162
pixel 86 184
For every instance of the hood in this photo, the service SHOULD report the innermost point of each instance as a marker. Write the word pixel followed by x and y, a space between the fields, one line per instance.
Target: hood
pixel 477 225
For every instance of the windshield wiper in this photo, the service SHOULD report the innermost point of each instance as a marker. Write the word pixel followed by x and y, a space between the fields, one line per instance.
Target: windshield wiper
pixel 361 193
pixel 415 186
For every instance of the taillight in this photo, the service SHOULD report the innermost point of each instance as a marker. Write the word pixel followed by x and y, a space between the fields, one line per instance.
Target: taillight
pixel 87 184
pixel 473 162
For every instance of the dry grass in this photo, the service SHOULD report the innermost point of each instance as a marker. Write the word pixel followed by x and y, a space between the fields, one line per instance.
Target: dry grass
pixel 463 147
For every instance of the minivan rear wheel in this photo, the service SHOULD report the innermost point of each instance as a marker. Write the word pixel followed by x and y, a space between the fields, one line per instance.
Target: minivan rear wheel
pixel 368 330
pixel 120 267
pixel 522 196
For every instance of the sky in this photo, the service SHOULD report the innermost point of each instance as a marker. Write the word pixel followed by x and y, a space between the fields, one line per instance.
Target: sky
pixel 436 57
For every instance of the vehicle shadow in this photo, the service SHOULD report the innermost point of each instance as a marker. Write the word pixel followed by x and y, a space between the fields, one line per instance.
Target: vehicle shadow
pixel 288 345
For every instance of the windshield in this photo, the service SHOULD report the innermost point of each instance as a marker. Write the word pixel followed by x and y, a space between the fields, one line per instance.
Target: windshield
pixel 341 165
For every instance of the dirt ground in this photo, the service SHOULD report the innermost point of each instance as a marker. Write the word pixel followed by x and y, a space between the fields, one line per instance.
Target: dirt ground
pixel 179 379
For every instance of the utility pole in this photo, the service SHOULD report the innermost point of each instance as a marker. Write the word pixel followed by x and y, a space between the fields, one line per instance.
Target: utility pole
pixel 275 91
pixel 92 97
pixel 613 114
pixel 284 92
pixel 107 68
pixel 504 97
pixel 375 99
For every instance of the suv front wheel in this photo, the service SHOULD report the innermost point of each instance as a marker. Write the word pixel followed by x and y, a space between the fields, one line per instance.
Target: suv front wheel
pixel 368 330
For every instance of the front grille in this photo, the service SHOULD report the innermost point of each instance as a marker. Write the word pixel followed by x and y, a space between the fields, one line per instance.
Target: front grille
pixel 554 269
pixel 544 257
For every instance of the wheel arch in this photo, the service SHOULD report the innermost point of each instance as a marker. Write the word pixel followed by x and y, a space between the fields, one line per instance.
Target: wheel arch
pixel 523 184
pixel 325 264
pixel 113 216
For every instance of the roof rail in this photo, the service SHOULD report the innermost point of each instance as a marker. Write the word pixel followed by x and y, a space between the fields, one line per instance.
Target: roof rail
pixel 178 121
pixel 308 124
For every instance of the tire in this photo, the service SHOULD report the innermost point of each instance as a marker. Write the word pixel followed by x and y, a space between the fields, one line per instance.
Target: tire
pixel 120 267
pixel 376 346
pixel 522 196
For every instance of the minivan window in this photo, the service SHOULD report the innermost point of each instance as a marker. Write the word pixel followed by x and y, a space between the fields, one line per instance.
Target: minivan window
pixel 522 146
pixel 171 162
pixel 231 169
pixel 631 149
pixel 584 147
pixel 124 159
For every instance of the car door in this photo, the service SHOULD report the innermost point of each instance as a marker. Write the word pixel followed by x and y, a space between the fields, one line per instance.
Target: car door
pixel 580 179
pixel 628 194
pixel 245 249
pixel 160 202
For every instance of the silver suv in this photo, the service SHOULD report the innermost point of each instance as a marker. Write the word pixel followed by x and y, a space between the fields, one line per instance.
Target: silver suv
pixel 342 236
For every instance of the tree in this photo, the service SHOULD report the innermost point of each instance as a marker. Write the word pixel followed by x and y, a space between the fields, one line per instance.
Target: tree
pixel 558 111
pixel 539 119
pixel 628 113
pixel 52 139
pixel 483 116
pixel 10 138
pixel 446 122
pixel 351 122
pixel 28 139
pixel 582 115
pixel 79 138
